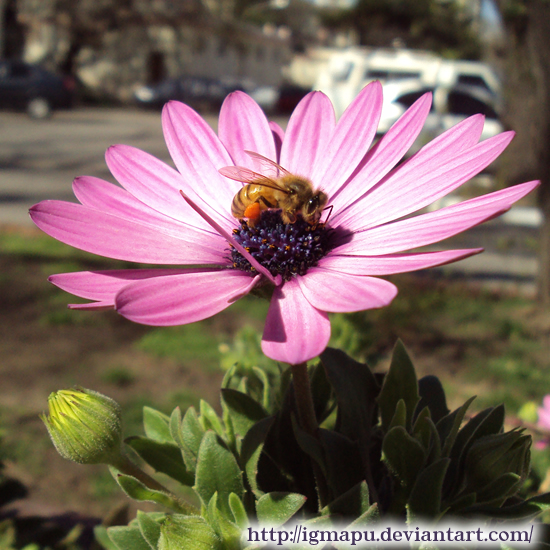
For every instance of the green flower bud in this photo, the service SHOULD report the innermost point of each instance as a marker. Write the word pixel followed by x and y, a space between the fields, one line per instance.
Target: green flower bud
pixel 187 533
pixel 85 426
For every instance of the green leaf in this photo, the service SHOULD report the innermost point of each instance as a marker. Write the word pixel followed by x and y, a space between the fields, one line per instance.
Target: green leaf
pixel 500 489
pixel 138 491
pixel 527 509
pixel 242 409
pixel 187 533
pixel 404 455
pixel 356 389
pixel 191 437
pixel 156 425
pixel 175 427
pixel 102 537
pixel 239 512
pixel 217 471
pixel 266 389
pixel 425 498
pixel 354 502
pixel 432 396
pixel 449 425
pixel 251 449
pixel 210 420
pixel 276 508
pixel 227 531
pixel 342 461
pixel 400 383
pixel 400 415
pixel 163 457
pixel 127 538
pixel 149 528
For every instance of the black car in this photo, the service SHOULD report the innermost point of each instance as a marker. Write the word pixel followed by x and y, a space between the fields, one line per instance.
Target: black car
pixel 32 88
pixel 198 92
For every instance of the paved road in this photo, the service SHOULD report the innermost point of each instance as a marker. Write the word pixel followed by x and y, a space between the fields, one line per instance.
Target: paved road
pixel 39 159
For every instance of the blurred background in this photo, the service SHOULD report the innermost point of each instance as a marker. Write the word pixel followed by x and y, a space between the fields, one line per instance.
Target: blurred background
pixel 77 76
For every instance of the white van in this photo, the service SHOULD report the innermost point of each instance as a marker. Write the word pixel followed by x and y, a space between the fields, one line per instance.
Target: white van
pixel 349 70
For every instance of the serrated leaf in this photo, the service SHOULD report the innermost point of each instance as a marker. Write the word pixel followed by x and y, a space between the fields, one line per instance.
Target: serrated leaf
pixel 276 508
pixel 210 420
pixel 187 533
pixel 353 503
pixel 156 425
pixel 425 498
pixel 432 396
pixel 404 455
pixel 127 538
pixel 242 409
pixel 163 457
pixel 149 528
pixel 191 437
pixel 217 471
pixel 239 513
pixel 400 383
pixel 138 491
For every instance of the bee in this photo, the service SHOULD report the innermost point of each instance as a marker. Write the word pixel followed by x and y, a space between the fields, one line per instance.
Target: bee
pixel 282 190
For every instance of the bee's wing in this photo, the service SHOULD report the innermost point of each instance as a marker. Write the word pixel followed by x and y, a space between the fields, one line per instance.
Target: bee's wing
pixel 268 166
pixel 244 175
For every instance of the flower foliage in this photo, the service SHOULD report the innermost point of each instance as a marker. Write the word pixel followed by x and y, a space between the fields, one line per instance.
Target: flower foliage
pixel 388 448
pixel 183 217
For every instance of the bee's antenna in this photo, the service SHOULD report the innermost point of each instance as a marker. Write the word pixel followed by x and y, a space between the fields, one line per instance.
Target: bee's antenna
pixel 329 208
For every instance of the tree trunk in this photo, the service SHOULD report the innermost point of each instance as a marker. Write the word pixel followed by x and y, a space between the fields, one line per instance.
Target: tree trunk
pixel 527 86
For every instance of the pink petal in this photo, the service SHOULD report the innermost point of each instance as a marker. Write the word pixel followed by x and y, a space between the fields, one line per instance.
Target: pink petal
pixel 294 330
pixel 391 147
pixel 396 263
pixel 182 299
pixel 115 237
pixel 333 291
pixel 543 418
pixel 350 140
pixel 434 226
pixel 406 191
pixel 93 306
pixel 153 183
pixel 242 127
pixel 198 155
pixel 112 199
pixel 307 134
pixel 104 285
pixel 278 137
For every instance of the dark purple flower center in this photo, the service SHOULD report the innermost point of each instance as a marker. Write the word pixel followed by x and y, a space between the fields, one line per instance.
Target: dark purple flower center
pixel 284 249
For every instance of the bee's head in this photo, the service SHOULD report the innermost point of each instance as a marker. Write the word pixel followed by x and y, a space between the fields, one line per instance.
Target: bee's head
pixel 313 207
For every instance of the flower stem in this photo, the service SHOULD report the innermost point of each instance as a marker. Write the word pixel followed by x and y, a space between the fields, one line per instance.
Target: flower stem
pixel 125 466
pixel 304 399
pixel 308 422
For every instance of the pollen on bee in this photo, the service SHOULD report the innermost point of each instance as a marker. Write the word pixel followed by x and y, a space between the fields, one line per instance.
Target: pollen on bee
pixel 288 247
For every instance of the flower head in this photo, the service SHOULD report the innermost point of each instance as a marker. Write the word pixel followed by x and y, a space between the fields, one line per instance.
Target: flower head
pixel 313 267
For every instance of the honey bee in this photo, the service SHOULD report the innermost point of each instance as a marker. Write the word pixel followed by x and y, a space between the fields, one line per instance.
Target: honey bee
pixel 282 190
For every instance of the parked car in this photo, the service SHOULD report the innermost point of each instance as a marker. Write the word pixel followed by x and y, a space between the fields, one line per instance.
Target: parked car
pixel 198 92
pixel 450 105
pixel 32 88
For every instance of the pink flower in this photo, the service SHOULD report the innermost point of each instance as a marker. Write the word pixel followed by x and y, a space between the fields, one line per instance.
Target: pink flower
pixel 543 422
pixel 148 220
